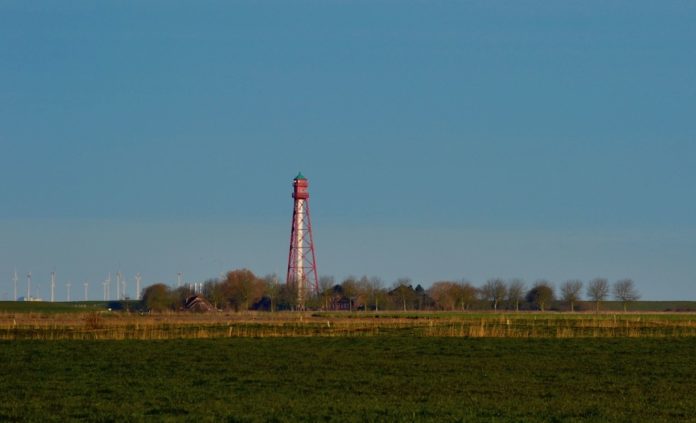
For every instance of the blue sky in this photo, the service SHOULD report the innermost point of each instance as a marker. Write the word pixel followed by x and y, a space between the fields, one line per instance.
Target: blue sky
pixel 442 140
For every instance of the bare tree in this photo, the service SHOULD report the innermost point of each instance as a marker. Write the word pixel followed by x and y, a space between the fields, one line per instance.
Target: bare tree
pixel 242 288
pixel 597 291
pixel 626 292
pixel 570 292
pixel 272 289
pixel 376 291
pixel 350 290
pixel 515 293
pixel 364 293
pixel 287 296
pixel 445 294
pixel 464 293
pixel 159 297
pixel 326 284
pixel 541 294
pixel 494 290
pixel 212 290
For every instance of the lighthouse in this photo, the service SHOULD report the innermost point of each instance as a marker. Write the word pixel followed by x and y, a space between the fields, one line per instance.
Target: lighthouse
pixel 302 264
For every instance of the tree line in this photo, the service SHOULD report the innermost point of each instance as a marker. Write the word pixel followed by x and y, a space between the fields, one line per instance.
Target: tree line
pixel 242 290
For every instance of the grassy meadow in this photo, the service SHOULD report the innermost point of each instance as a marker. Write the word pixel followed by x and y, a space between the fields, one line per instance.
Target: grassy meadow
pixel 350 379
pixel 63 362
pixel 103 325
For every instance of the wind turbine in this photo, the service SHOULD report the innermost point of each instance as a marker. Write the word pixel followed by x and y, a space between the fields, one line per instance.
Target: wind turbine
pixel 86 284
pixel 53 286
pixel 28 287
pixel 14 279
pixel 67 285
pixel 105 284
pixel 178 280
pixel 138 278
pixel 118 285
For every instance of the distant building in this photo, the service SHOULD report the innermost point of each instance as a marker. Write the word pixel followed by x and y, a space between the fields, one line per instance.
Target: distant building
pixel 199 304
pixel 29 299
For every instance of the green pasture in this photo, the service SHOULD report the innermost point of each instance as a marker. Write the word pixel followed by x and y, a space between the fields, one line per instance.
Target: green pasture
pixel 62 306
pixel 350 379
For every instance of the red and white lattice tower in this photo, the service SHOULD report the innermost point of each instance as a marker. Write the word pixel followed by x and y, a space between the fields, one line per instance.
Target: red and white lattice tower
pixel 302 263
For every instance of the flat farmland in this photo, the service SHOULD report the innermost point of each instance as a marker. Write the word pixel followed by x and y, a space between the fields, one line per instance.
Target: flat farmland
pixel 103 325
pixel 376 378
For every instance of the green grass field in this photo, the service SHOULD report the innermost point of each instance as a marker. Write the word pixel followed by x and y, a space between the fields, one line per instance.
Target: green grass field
pixel 57 307
pixel 350 379
pixel 77 361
